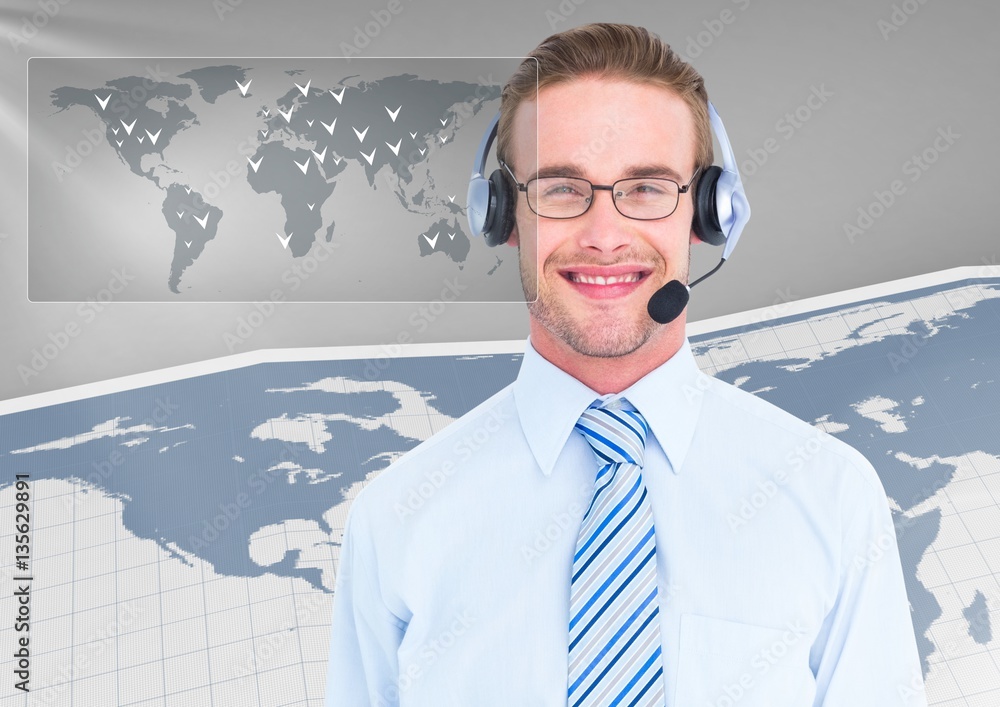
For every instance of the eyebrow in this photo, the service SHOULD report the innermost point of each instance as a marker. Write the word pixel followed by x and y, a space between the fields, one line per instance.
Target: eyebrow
pixel 646 170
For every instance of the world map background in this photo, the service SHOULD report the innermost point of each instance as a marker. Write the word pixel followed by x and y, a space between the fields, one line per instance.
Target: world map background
pixel 187 532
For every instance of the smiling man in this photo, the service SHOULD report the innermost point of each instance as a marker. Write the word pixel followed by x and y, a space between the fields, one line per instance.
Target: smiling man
pixel 581 537
pixel 599 269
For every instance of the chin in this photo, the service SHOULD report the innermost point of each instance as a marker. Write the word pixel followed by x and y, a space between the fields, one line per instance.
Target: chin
pixel 597 339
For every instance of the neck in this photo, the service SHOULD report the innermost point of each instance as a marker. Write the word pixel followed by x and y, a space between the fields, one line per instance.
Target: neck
pixel 610 375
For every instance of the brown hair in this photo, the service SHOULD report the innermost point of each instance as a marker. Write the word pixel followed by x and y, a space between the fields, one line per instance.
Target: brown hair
pixel 606 50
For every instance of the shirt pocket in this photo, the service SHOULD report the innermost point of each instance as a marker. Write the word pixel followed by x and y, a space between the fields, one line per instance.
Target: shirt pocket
pixel 725 662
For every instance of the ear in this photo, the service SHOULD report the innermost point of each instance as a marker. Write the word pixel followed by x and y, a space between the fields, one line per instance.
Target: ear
pixel 694 238
pixel 512 239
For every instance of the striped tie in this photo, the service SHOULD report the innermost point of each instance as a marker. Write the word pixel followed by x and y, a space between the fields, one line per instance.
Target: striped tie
pixel 614 630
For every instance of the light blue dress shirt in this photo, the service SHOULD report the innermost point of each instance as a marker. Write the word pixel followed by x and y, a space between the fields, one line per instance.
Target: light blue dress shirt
pixel 779 576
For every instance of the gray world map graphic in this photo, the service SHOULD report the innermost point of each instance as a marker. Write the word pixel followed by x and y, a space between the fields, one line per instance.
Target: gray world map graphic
pixel 313 132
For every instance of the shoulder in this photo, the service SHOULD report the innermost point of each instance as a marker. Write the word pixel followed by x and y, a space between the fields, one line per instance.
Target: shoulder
pixel 489 423
pixel 761 422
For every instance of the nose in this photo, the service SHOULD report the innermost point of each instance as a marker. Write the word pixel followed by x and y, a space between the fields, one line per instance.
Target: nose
pixel 602 227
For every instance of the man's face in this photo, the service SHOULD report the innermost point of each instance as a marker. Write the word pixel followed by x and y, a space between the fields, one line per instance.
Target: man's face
pixel 601 130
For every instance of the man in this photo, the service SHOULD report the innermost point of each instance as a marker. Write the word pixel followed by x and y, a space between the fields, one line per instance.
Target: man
pixel 578 538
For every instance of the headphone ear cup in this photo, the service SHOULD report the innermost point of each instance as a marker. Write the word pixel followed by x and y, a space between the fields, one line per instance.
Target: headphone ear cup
pixel 500 217
pixel 705 222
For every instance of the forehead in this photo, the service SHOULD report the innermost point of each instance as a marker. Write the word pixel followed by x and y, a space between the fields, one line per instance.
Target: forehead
pixel 603 127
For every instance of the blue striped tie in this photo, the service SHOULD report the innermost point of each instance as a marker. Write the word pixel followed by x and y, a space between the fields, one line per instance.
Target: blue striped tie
pixel 614 629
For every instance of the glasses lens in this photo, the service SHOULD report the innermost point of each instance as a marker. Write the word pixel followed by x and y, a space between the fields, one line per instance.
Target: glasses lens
pixel 567 197
pixel 646 198
pixel 559 197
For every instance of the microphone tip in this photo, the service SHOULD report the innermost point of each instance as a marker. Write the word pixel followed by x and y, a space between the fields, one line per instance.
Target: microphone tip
pixel 668 302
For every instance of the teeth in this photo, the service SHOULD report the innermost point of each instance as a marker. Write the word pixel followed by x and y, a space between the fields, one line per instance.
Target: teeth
pixel 600 280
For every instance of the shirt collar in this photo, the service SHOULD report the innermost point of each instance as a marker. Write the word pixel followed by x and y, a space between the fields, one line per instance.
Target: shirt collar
pixel 550 401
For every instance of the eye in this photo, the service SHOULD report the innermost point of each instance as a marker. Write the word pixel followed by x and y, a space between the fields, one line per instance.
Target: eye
pixel 561 189
pixel 647 188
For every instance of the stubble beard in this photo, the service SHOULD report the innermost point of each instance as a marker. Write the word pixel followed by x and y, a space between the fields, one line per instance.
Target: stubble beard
pixel 608 338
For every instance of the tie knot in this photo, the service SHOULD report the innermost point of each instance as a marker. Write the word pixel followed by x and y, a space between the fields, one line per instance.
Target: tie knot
pixel 615 430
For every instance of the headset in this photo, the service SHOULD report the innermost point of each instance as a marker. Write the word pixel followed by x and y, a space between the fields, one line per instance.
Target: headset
pixel 721 209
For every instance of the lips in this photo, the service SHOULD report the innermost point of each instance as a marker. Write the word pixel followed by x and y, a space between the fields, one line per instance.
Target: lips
pixel 605 282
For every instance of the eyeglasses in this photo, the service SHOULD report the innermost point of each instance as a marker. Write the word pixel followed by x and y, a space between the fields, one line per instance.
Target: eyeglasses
pixel 643 198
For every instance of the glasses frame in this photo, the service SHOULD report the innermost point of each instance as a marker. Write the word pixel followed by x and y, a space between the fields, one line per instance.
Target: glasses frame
pixel 602 187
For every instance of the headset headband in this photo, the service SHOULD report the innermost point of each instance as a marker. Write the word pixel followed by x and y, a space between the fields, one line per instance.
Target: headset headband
pixel 479 163
pixel 733 210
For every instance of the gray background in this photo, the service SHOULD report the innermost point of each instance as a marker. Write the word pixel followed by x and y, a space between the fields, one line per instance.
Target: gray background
pixel 891 93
